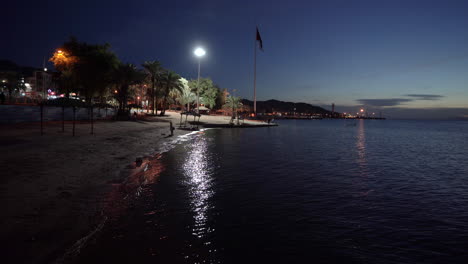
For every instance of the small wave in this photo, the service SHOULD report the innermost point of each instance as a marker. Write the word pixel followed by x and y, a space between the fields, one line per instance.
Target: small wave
pixel 164 147
pixel 169 145
pixel 76 248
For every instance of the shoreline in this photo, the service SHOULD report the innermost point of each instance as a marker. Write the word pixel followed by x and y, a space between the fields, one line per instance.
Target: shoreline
pixel 56 186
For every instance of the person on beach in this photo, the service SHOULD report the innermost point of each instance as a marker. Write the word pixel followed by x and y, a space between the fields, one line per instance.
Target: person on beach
pixel 171 127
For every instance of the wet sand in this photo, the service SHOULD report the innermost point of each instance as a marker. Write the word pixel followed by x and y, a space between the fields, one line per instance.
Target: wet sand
pixel 54 188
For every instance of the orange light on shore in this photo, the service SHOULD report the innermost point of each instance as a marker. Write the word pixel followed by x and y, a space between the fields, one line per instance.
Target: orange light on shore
pixel 138 97
pixel 60 52
pixel 362 110
pixel 115 91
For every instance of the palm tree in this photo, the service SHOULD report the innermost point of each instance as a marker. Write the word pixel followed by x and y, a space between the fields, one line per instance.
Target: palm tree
pixel 173 95
pixel 170 81
pixel 186 97
pixel 233 103
pixel 124 76
pixel 154 71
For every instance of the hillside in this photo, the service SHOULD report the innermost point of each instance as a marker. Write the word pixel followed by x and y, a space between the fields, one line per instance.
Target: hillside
pixel 280 106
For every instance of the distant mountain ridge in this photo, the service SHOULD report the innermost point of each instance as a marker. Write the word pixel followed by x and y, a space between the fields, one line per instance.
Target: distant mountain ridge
pixel 272 105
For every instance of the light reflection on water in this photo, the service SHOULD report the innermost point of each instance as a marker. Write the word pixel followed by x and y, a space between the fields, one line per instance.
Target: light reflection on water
pixel 303 192
pixel 199 178
pixel 361 145
pixel 361 160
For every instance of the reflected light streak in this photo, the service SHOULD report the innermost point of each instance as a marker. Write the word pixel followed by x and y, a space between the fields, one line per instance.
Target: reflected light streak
pixel 199 181
pixel 362 159
pixel 361 144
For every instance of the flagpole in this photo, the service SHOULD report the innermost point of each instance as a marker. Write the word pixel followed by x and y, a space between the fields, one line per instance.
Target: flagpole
pixel 255 73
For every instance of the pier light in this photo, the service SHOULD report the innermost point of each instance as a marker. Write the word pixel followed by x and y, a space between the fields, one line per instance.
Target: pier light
pixel 362 110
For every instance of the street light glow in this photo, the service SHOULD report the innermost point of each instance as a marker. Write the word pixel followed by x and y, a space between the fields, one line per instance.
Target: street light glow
pixel 199 52
pixel 362 110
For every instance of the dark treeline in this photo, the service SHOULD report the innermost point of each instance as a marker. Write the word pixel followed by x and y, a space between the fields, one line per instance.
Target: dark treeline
pixel 94 74
pixel 94 71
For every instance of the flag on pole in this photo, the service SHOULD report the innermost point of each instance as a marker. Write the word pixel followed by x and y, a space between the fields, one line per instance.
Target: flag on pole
pixel 259 39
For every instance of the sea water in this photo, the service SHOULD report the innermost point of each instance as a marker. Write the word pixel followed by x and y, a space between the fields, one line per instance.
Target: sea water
pixel 307 191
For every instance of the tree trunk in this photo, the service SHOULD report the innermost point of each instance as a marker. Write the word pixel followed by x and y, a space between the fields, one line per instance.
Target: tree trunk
pixel 153 99
pixel 155 103
pixel 164 105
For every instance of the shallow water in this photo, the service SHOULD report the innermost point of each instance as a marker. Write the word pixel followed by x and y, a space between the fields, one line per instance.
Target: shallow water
pixel 321 191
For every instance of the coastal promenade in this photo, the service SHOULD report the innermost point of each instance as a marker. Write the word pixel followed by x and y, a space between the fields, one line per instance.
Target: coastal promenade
pixel 55 187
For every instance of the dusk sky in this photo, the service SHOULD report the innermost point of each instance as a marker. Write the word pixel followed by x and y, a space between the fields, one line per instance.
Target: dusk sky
pixel 384 55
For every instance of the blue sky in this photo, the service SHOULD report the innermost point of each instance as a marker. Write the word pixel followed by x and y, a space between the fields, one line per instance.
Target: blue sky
pixel 399 57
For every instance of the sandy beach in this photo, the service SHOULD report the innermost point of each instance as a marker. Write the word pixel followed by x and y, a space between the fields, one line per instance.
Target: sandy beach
pixel 55 187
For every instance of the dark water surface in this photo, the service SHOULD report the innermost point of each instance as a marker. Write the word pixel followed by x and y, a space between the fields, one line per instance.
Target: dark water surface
pixel 308 191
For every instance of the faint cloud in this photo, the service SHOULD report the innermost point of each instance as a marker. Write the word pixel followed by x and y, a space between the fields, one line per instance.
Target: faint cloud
pixel 384 102
pixel 428 97
pixel 441 113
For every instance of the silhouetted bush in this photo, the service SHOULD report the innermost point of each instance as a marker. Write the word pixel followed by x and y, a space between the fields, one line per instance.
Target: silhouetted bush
pixel 65 102
pixel 103 105
pixel 133 106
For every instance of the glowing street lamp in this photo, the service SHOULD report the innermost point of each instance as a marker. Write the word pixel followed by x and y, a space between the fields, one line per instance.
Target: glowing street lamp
pixel 199 52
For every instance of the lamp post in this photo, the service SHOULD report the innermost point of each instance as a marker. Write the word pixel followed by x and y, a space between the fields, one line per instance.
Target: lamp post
pixel 44 75
pixel 199 52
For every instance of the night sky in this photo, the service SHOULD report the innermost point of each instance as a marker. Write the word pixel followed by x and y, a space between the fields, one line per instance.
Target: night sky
pixel 405 58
